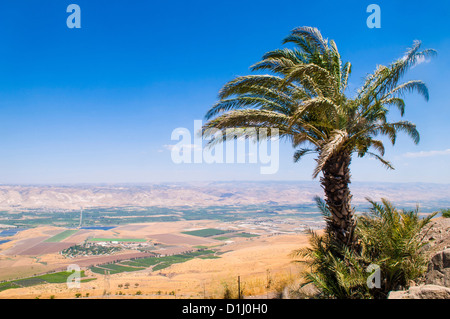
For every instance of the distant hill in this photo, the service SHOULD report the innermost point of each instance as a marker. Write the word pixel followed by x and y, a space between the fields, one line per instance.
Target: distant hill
pixel 209 194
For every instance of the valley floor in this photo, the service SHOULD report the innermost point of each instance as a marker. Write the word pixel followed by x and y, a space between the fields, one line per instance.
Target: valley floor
pixel 262 262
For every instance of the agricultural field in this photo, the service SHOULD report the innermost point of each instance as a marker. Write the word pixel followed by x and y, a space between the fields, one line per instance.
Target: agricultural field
pixel 178 239
pixel 208 232
pixel 22 245
pixel 61 236
pixel 234 235
pixel 156 249
pixel 157 263
pixel 109 218
pixel 58 277
pixel 113 269
pixel 254 260
pixel 45 248
pixel 123 240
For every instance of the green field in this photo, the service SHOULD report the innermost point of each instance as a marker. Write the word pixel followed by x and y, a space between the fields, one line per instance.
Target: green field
pixel 222 238
pixel 158 263
pixel 28 282
pixel 61 236
pixel 115 216
pixel 142 262
pixel 58 277
pixel 122 240
pixel 207 232
pixel 114 269
pixel 54 278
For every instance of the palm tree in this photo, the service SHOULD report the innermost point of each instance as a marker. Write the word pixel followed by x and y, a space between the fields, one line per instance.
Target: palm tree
pixel 304 98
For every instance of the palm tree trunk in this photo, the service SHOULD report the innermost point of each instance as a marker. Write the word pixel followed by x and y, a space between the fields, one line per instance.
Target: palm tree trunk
pixel 335 182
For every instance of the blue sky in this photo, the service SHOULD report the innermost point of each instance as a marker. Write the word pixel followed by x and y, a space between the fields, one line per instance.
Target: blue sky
pixel 99 103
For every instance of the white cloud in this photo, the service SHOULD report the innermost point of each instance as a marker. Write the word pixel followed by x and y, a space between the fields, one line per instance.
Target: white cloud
pixel 426 153
pixel 419 60
pixel 422 59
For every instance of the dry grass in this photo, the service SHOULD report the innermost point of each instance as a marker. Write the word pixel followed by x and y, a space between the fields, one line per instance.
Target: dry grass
pixel 254 260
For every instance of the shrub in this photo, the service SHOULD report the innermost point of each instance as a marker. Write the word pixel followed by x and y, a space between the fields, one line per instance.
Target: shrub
pixel 445 213
pixel 231 291
pixel 386 237
pixel 391 238
pixel 226 292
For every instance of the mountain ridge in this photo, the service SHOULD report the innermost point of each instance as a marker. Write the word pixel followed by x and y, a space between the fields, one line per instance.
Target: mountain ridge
pixel 206 194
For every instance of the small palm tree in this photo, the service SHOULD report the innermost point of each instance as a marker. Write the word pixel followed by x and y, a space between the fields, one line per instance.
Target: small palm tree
pixel 305 99
pixel 388 237
pixel 393 239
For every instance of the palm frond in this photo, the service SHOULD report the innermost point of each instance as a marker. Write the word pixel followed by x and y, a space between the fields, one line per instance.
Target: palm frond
pixel 410 86
pixel 386 163
pixel 245 84
pixel 337 140
pixel 301 152
pixel 314 36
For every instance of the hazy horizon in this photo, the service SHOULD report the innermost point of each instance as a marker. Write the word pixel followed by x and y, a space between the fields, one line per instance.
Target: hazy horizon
pixel 207 182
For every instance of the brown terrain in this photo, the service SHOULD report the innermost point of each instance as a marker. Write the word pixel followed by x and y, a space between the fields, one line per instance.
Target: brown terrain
pixel 253 259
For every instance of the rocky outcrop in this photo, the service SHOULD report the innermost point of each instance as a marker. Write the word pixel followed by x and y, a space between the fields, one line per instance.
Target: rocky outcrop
pixel 437 235
pixel 438 272
pixel 422 292
pixel 297 290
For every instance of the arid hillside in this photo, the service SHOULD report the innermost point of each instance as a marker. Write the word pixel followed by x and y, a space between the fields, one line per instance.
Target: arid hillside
pixel 205 194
